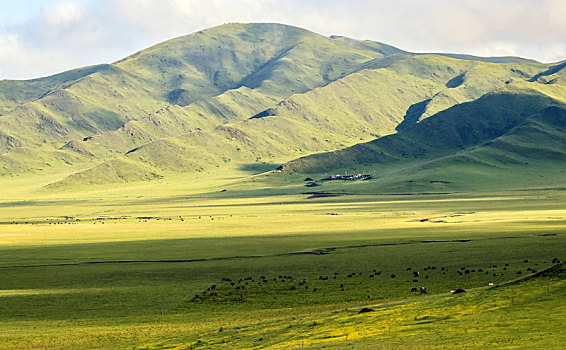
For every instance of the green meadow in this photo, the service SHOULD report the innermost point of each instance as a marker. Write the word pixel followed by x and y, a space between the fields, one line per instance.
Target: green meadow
pixel 185 265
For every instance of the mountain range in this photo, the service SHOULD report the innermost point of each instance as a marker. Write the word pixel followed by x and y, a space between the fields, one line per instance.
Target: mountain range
pixel 260 97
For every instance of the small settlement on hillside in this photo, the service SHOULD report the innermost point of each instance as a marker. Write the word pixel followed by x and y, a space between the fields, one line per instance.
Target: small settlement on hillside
pixel 347 177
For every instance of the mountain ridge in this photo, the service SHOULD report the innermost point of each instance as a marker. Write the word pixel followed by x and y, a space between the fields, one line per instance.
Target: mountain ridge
pixel 241 94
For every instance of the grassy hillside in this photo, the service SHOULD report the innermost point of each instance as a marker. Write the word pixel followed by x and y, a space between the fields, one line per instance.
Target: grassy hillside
pixel 511 131
pixel 239 96
pixel 222 74
pixel 14 92
pixel 356 108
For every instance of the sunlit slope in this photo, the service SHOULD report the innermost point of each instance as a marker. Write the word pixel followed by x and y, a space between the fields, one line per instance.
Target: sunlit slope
pixel 238 96
pixel 364 105
pixel 107 102
pixel 16 92
pixel 275 59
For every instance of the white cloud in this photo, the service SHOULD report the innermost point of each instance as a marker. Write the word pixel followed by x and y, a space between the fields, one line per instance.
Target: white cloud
pixel 495 49
pixel 19 61
pixel 63 13
pixel 71 33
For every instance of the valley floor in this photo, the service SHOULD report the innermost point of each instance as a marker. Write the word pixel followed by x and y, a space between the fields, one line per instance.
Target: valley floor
pixel 188 267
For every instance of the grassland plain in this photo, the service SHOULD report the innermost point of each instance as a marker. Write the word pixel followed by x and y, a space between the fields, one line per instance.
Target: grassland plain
pixel 172 264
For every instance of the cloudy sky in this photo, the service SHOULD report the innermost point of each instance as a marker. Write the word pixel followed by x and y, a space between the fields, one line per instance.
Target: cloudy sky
pixel 42 37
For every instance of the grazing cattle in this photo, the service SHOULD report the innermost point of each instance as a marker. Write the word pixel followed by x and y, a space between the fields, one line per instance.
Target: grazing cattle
pixel 416 274
pixel 423 290
pixel 414 290
pixel 555 261
pixel 393 276
pixel 365 309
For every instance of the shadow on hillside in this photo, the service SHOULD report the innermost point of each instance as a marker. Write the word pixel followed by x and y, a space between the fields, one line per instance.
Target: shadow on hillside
pixel 258 168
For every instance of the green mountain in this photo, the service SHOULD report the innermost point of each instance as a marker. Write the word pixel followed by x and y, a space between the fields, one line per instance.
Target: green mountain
pixel 505 139
pixel 254 96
